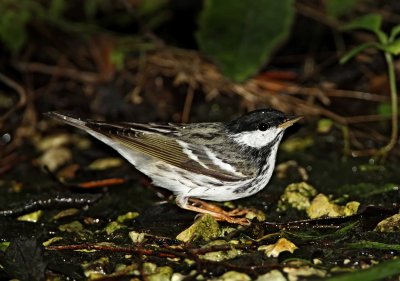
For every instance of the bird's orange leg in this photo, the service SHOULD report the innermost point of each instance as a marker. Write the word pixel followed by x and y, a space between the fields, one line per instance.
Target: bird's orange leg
pixel 207 208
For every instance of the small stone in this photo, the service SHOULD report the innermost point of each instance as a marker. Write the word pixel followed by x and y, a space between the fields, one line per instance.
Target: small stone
pixel 66 213
pixel 255 214
pixel 5 138
pixel 282 245
pixel 324 125
pixel 321 206
pixel 127 216
pixel 295 274
pixel 233 276
pixel 52 141
pixel 351 208
pixel 390 224
pixel 137 237
pixel 273 275
pixel 221 255
pixel 205 228
pixel 52 240
pixel 113 226
pixel 297 195
pixel 54 158
pixel 74 226
pixel 154 273
pixel 106 163
pixel 31 217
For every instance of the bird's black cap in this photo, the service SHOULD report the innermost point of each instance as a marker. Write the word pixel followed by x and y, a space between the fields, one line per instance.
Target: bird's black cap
pixel 267 118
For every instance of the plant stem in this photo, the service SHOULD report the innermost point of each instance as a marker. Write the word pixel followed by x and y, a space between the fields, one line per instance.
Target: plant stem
pixel 346 140
pixel 393 95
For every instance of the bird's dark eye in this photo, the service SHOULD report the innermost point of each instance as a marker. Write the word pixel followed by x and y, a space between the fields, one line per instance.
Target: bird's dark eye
pixel 262 127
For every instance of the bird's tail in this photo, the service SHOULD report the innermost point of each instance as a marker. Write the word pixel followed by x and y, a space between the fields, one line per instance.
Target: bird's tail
pixel 67 118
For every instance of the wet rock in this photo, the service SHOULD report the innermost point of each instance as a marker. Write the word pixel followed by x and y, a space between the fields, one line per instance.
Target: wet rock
pixel 322 207
pixel 297 195
pixel 205 228
pixel 390 224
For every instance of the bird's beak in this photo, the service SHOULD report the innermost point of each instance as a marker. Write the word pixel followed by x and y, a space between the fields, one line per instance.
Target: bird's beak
pixel 289 121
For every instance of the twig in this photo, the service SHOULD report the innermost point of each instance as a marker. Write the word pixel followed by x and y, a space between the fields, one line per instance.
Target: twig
pixel 163 253
pixel 7 161
pixel 83 76
pixel 365 119
pixel 22 97
pixel 50 201
pixel 310 12
pixel 188 104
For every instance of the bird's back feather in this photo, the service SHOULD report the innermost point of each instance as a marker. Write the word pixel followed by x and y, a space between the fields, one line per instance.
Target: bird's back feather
pixel 158 141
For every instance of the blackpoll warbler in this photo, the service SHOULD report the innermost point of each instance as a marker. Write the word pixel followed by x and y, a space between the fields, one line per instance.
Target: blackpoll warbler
pixel 212 161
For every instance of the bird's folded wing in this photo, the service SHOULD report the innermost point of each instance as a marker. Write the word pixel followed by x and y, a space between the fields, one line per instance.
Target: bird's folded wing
pixel 153 142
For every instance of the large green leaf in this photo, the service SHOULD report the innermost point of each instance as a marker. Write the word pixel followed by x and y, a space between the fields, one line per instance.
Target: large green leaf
pixel 241 35
pixel 14 17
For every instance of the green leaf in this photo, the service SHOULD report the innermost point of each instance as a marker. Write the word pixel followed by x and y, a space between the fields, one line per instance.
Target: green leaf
pixel 4 245
pixel 12 28
pixel 118 58
pixel 371 22
pixel 393 48
pixel 353 52
pixel 383 270
pixel 240 35
pixel 394 32
pixel 383 38
pixel 337 8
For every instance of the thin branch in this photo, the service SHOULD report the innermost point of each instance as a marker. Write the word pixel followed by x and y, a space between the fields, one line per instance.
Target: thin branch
pixel 22 97
pixel 83 76
pixel 188 104
pixel 164 253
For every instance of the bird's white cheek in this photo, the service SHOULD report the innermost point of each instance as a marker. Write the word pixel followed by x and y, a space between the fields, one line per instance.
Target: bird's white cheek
pixel 257 139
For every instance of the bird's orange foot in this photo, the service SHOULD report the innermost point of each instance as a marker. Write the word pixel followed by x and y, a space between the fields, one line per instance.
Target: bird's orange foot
pixel 217 212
